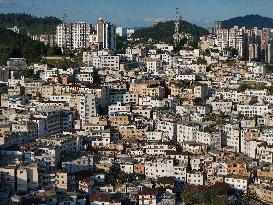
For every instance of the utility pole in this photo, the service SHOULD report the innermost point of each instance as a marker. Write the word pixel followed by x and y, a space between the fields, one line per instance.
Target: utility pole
pixel 176 36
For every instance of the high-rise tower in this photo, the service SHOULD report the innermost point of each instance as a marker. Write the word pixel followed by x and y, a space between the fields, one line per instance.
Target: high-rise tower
pixel 106 35
pixel 176 36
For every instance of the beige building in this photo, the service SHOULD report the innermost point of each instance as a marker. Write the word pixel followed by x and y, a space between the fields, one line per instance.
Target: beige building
pixel 8 175
pixel 117 120
pixel 61 180
pixel 33 88
pixel 132 132
pixel 265 194
pixel 142 111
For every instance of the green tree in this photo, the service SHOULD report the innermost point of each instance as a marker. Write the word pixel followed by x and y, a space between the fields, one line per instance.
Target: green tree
pixel 27 73
pixel 116 176
pixel 243 87
pixel 16 45
pixel 198 101
pixel 122 44
pixel 233 51
pixel 54 51
pixel 202 195
pixel 201 61
pixel 163 32
pixel 30 24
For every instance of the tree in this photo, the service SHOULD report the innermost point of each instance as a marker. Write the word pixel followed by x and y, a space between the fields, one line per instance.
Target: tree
pixel 16 45
pixel 269 68
pixel 122 44
pixel 207 52
pixel 198 101
pixel 221 188
pixel 233 51
pixel 54 51
pixel 27 73
pixel 116 176
pixel 192 194
pixel 201 61
pixel 163 32
pixel 30 24
pixel 243 87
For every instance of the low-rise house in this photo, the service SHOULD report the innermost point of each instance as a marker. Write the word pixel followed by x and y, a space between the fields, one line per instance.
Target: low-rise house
pixel 237 182
pixel 147 196
pixel 195 178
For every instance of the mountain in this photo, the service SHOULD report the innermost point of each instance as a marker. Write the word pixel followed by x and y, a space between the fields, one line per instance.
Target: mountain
pixel 249 21
pixel 14 45
pixel 163 31
pixel 28 23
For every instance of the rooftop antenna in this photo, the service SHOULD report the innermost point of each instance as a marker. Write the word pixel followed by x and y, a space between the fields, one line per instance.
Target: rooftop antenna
pixel 33 7
pixel 65 16
pixel 176 37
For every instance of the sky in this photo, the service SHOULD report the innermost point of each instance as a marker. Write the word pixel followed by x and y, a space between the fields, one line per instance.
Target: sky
pixel 134 13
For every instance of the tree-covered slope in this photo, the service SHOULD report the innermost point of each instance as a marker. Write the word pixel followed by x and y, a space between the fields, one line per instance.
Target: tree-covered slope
pixel 163 31
pixel 13 45
pixel 249 21
pixel 28 23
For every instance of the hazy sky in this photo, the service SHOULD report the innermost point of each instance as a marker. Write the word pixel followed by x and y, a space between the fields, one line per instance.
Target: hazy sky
pixel 141 12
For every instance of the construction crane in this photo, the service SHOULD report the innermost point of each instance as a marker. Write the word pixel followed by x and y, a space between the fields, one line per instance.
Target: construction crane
pixel 176 36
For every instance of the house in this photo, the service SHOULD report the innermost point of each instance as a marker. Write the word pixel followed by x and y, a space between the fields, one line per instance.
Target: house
pixel 103 199
pixel 147 196
pixel 237 182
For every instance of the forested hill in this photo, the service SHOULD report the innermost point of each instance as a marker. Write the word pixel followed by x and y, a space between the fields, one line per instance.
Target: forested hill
pixel 249 21
pixel 163 31
pixel 28 23
pixel 16 45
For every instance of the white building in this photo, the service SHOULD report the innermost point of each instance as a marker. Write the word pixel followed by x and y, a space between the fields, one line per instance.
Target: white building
pixel 187 132
pixel 213 140
pixel 164 47
pixel 237 182
pixel 190 53
pixel 103 139
pixel 87 107
pixel 83 163
pixel 225 107
pixel 231 137
pixel 73 36
pixel 258 93
pixel 185 77
pixel 195 178
pixel 168 128
pixel 125 98
pixel 158 149
pixel 106 62
pixel 106 35
pixel 154 136
pixel 267 136
pixel 159 168
pixel 253 110
pixel 84 77
pixel 118 108
pixel 154 66
pixel 127 167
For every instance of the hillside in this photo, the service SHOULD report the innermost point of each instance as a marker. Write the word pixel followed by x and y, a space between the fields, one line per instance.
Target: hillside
pixel 163 31
pixel 249 21
pixel 27 23
pixel 14 45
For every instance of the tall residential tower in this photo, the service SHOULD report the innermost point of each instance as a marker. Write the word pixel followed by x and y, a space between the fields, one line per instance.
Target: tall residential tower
pixel 106 35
